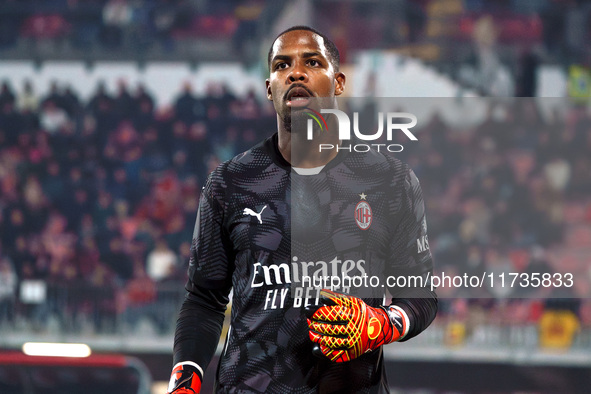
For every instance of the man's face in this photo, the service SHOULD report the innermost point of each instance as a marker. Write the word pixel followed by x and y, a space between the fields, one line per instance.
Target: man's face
pixel 300 69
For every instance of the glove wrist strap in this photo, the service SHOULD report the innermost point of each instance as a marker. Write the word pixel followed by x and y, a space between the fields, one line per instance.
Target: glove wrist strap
pixel 399 321
pixel 186 375
pixel 192 364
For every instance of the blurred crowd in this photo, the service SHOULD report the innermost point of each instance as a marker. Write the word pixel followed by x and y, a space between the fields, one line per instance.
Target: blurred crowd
pixel 430 29
pixel 134 25
pixel 511 195
pixel 103 194
pixel 494 47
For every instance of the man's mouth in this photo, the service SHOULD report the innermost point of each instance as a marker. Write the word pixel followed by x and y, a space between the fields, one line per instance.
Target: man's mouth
pixel 298 97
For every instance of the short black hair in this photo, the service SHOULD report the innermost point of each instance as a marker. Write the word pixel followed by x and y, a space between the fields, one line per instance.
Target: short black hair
pixel 331 48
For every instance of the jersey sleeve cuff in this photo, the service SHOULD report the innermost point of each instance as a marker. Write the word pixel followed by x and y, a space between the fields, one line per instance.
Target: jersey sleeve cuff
pixel 404 317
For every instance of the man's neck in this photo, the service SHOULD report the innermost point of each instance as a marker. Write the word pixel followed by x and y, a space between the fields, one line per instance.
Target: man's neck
pixel 300 152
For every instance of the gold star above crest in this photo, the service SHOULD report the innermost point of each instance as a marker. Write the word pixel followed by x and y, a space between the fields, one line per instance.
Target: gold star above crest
pixel 363 195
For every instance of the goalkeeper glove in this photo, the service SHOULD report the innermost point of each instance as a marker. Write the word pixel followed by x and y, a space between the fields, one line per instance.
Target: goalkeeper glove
pixel 345 327
pixel 185 379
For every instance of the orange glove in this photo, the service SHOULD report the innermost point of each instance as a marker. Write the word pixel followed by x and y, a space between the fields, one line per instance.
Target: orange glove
pixel 345 327
pixel 185 378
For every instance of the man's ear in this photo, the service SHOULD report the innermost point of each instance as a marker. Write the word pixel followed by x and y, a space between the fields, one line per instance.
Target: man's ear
pixel 340 80
pixel 268 85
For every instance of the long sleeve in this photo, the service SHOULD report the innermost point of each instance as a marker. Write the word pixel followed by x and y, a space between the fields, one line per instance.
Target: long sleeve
pixel 199 325
pixel 411 256
pixel 210 270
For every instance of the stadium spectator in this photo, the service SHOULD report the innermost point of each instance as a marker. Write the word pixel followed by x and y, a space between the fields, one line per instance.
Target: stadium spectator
pixel 6 94
pixel 53 181
pixel 161 262
pixel 189 108
pixel 120 262
pixel 28 101
pixel 8 286
pixel 143 117
pixel 52 117
pixel 198 146
pixel 53 95
pixel 140 293
pixel 164 18
pixel 101 106
pixel 124 103
pixel 143 97
pixel 101 100
pixel 246 14
pixel 70 101
pixel 36 203
pixel 117 16
pixel 14 225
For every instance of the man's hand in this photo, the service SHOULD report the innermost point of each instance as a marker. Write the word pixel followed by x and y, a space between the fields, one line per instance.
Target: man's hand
pixel 345 327
pixel 185 379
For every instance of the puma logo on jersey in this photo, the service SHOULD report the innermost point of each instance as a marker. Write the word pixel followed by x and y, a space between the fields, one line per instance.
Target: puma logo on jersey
pixel 248 211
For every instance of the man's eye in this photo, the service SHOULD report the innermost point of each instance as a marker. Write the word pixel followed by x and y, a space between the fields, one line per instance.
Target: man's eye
pixel 280 66
pixel 314 63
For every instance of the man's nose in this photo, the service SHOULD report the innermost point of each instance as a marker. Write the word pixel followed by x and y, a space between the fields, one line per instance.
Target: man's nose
pixel 298 74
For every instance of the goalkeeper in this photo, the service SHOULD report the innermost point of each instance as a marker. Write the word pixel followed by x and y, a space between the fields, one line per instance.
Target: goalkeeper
pixel 243 243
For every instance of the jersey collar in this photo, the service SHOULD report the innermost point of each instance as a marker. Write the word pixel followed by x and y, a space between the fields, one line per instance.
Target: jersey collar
pixel 271 145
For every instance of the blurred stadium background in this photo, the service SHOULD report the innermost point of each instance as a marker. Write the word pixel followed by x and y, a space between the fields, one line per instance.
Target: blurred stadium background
pixel 113 112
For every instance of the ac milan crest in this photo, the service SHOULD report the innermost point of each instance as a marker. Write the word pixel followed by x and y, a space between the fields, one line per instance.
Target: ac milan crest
pixel 363 213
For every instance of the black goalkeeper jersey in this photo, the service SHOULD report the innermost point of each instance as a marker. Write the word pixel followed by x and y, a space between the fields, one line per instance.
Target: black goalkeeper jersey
pixel 262 229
